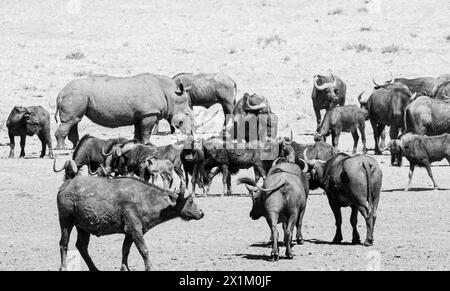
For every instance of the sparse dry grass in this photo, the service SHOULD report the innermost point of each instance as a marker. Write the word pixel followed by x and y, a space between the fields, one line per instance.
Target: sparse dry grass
pixel 267 41
pixel 392 49
pixel 76 55
pixel 337 11
pixel 359 48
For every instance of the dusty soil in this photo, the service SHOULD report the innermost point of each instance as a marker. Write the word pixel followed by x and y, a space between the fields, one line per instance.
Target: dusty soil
pixel 269 47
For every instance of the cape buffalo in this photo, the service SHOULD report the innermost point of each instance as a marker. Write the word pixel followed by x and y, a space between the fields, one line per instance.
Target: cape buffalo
pixel 441 89
pixel 139 100
pixel 211 88
pixel 423 86
pixel 281 199
pixel 129 206
pixel 426 116
pixel 253 119
pixel 328 92
pixel 349 181
pixel 89 150
pixel 192 157
pixel 23 121
pixel 386 107
pixel 231 157
pixel 347 118
pixel 420 151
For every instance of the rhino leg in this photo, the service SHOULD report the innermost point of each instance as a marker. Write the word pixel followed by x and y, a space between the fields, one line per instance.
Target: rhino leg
pixel 143 129
pixel 73 135
pixel 63 131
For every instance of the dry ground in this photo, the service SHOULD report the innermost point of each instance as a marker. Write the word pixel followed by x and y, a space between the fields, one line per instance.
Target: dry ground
pixel 269 47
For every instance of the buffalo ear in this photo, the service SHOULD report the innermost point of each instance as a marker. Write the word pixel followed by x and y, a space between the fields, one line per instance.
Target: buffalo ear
pixel 180 86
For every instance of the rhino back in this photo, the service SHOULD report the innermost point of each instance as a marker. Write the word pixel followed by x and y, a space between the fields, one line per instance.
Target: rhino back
pixel 114 101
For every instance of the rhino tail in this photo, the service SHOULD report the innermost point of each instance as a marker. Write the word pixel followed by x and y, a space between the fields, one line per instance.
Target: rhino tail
pixel 58 100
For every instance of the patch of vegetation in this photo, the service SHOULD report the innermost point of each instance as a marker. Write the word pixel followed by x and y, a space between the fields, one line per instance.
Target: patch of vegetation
pixel 274 39
pixel 80 74
pixel 29 87
pixel 448 37
pixel 76 55
pixel 365 28
pixel 286 59
pixel 232 51
pixel 357 47
pixel 363 10
pixel 337 11
pixel 392 49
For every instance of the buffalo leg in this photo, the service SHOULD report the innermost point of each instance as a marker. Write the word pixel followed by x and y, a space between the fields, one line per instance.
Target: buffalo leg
pixel 272 220
pixel 376 135
pixel 82 246
pixel 382 136
pixel 147 125
pixel 318 117
pixel 355 140
pixel 362 130
pixel 289 228
pixel 369 224
pixel 299 235
pixel 428 167
pixel 338 217
pixel 194 178
pixel 138 131
pixel 12 145
pixel 46 142
pixel 134 230
pixel 23 138
pixel 410 175
pixel 229 192
pixel 259 169
pixel 225 174
pixel 127 242
pixel 335 139
pixel 354 223
pixel 73 135
pixel 66 229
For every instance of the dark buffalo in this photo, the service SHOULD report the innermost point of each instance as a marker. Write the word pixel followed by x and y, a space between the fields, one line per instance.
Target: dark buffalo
pixel 209 89
pixel 423 86
pixel 139 100
pixel 347 118
pixel 89 151
pixel 441 88
pixel 386 107
pixel 193 158
pixel 319 150
pixel 23 121
pixel 349 181
pixel 328 92
pixel 426 116
pixel 282 199
pixel 253 119
pixel 129 206
pixel 231 157
pixel 130 157
pixel 420 151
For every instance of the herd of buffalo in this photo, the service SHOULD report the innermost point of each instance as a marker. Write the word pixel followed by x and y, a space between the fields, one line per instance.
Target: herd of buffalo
pixel 109 200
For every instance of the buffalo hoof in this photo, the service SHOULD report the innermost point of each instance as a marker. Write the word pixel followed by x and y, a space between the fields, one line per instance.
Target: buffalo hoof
pixel 378 153
pixel 11 156
pixel 289 256
pixel 274 258
pixel 368 243
pixel 406 189
pixel 356 241
pixel 337 241
pixel 300 241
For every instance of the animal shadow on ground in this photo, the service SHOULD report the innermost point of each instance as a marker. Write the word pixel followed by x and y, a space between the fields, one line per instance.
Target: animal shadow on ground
pixel 414 189
pixel 322 242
